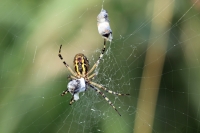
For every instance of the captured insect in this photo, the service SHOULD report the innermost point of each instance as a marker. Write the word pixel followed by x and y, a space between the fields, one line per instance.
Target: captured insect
pixel 82 78
pixel 104 26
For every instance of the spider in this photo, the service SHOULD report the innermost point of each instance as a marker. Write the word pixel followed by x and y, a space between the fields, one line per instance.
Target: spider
pixel 82 78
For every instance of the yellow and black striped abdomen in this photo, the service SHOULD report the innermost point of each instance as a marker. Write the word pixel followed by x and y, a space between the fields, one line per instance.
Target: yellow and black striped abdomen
pixel 81 64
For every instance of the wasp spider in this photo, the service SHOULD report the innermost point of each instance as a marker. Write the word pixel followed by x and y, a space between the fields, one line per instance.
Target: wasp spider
pixel 82 78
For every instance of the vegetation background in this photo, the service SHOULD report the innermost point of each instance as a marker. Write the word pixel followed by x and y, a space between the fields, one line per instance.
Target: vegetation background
pixel 154 57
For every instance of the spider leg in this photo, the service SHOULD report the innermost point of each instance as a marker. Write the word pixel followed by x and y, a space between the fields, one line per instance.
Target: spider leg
pixel 70 77
pixel 109 91
pixel 101 55
pixel 64 92
pixel 106 98
pixel 92 76
pixel 72 100
pixel 73 73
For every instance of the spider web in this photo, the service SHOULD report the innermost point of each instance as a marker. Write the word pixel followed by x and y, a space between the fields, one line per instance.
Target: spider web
pixel 154 56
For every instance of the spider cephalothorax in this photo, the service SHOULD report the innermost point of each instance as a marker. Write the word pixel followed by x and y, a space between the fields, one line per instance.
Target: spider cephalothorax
pixel 81 64
pixel 82 78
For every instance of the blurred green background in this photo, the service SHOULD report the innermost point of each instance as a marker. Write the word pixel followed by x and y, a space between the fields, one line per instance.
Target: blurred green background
pixel 154 56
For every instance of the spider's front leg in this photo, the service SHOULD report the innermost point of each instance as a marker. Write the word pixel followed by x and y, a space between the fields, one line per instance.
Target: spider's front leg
pixel 109 91
pixel 72 100
pixel 70 78
pixel 75 87
pixel 106 98
pixel 64 92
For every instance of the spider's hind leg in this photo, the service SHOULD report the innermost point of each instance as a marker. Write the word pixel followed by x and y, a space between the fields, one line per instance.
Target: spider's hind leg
pixel 101 55
pixel 60 56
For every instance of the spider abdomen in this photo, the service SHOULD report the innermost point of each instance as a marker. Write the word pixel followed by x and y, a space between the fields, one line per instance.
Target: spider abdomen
pixel 81 64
